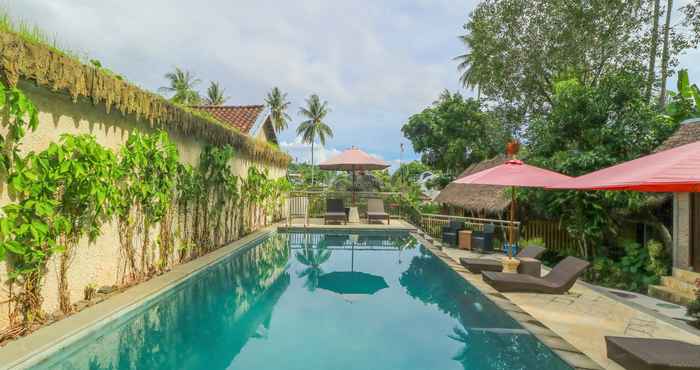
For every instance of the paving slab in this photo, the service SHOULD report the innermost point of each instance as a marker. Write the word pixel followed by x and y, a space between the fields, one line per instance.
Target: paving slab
pixel 587 314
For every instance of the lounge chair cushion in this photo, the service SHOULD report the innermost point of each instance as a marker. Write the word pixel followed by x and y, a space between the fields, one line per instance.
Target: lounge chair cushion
pixel 477 265
pixel 335 214
pixel 653 354
pixel 377 214
pixel 509 282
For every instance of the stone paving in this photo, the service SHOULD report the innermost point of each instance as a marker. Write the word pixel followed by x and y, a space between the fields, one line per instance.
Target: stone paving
pixel 586 315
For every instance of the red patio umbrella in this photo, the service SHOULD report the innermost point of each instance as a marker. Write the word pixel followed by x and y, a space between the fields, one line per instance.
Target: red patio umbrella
pixel 514 173
pixel 672 170
pixel 353 160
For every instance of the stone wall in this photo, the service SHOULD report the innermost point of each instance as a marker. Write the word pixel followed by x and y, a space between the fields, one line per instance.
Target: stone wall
pixel 95 263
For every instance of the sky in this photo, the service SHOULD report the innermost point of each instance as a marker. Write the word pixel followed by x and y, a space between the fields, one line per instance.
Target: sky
pixel 375 62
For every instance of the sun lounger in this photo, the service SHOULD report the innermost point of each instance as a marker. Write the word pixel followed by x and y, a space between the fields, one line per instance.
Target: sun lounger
pixel 653 354
pixel 375 211
pixel 335 211
pixel 558 281
pixel 477 265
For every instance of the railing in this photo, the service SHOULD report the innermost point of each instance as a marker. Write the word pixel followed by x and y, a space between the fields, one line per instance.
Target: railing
pixel 399 207
pixel 393 202
pixel 432 224
pixel 554 237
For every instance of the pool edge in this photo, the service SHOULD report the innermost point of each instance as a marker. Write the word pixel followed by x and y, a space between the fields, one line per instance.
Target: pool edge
pixel 560 346
pixel 41 344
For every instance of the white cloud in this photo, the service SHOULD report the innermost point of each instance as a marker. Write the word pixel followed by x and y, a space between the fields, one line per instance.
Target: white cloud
pixel 301 152
pixel 375 62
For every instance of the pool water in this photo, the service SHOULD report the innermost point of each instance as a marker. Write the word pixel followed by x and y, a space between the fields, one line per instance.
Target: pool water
pixel 313 301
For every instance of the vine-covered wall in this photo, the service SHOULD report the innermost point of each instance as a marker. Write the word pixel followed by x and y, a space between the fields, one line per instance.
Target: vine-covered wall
pixel 216 195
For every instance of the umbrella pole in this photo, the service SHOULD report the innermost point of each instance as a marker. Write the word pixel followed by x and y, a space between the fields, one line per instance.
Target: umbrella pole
pixel 511 233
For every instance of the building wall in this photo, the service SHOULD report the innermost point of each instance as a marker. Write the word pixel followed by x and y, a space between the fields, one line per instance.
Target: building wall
pixel 100 262
pixel 681 230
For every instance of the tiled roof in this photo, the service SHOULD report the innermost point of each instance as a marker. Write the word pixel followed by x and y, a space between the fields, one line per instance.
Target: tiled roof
pixel 242 117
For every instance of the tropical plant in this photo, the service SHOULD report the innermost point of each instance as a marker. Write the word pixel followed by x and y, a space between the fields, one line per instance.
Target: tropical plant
pixel 278 104
pixel 22 116
pixel 639 267
pixel 150 165
pixel 86 175
pixel 215 94
pixel 694 306
pixel 181 84
pixel 590 128
pixel 314 126
pixel 685 103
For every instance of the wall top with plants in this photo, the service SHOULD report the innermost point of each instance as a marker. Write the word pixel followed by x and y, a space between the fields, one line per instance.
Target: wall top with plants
pixel 55 70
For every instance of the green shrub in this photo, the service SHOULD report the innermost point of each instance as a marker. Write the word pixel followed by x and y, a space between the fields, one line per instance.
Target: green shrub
pixel 533 241
pixel 636 270
pixel 694 306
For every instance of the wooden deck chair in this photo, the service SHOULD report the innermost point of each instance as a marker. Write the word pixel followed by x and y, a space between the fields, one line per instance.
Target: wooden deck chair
pixel 298 207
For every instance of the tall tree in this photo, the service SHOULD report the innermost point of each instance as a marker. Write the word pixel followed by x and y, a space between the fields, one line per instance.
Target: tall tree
pixel 653 49
pixel 590 128
pixel 455 132
pixel 517 49
pixel 665 54
pixel 314 127
pixel 181 84
pixel 278 104
pixel 215 94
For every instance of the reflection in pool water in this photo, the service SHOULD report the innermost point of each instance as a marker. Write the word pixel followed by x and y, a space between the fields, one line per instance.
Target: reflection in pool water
pixel 317 301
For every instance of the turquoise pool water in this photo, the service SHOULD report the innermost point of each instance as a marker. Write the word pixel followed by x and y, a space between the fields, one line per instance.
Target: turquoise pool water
pixel 312 301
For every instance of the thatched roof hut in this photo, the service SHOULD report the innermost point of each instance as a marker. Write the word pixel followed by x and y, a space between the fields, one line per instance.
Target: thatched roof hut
pixel 688 132
pixel 476 199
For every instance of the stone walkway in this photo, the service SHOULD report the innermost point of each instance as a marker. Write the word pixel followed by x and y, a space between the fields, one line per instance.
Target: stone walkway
pixel 586 315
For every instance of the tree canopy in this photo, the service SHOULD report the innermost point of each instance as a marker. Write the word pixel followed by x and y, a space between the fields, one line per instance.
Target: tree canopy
pixel 455 132
pixel 516 50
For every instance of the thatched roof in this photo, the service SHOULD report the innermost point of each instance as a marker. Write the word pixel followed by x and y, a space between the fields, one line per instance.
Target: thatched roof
pixel 476 198
pixel 689 132
pixel 25 59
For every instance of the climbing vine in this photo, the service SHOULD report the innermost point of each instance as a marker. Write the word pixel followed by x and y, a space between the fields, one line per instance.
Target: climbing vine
pixel 67 192
pixel 21 115
pixel 150 165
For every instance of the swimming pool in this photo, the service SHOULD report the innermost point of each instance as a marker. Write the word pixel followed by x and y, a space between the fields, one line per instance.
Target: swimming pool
pixel 312 301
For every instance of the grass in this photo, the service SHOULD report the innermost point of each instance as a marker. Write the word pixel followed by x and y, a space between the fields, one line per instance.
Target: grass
pixel 32 33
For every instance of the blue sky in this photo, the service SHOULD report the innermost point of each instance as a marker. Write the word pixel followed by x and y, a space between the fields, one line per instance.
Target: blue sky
pixel 375 62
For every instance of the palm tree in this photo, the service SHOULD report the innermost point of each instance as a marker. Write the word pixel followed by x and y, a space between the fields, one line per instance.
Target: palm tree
pixel 278 104
pixel 314 126
pixel 215 94
pixel 313 258
pixel 181 85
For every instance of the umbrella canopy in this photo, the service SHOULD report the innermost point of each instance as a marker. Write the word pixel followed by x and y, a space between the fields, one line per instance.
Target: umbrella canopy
pixel 514 173
pixel 352 282
pixel 673 170
pixel 353 160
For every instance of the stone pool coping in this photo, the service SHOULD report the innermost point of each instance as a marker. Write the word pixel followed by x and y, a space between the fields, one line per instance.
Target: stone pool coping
pixel 562 348
pixel 39 345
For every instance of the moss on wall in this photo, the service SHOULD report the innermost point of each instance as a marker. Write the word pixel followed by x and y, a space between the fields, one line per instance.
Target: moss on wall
pixel 20 58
